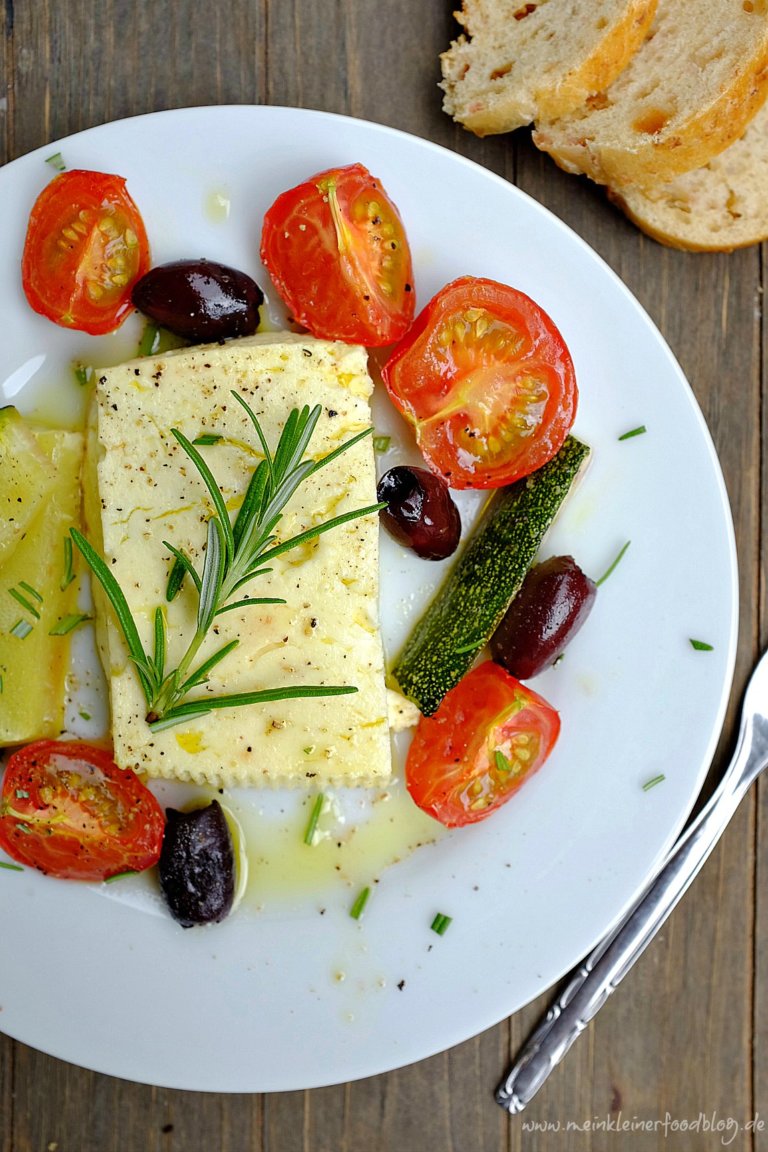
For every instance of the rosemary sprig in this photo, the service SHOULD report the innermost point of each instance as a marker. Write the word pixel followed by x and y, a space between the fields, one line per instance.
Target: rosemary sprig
pixel 235 553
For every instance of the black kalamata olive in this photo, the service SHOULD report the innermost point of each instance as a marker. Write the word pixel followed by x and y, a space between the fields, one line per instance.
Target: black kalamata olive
pixel 197 865
pixel 199 300
pixel 420 512
pixel 552 604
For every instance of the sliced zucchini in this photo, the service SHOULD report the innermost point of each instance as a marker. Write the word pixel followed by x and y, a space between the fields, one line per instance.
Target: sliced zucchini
pixel 487 574
pixel 27 479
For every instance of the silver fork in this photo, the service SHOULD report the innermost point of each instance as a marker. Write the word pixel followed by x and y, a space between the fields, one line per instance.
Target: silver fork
pixel 613 957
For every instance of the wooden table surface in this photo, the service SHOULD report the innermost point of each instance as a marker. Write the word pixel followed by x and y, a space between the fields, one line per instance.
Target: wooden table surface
pixel 683 1042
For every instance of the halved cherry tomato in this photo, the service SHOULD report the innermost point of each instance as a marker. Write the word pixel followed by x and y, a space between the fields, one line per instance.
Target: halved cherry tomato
pixel 68 810
pixel 489 735
pixel 337 252
pixel 487 381
pixel 86 246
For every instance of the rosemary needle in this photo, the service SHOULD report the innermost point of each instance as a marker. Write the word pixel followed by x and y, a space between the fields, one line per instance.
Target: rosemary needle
pixel 235 554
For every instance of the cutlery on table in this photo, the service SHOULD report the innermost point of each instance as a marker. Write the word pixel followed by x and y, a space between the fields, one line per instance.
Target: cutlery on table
pixel 613 957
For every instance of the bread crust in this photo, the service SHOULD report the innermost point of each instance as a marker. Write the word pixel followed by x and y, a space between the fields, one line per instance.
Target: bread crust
pixel 717 208
pixel 496 104
pixel 685 142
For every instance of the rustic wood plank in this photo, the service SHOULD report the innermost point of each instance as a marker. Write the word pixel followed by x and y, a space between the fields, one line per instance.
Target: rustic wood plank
pixel 760 1012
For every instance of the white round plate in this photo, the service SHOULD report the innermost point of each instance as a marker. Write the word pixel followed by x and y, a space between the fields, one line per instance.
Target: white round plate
pixel 291 992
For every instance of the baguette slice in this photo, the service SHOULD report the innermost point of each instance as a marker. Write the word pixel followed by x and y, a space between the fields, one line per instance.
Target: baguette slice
pixel 519 62
pixel 716 208
pixel 687 94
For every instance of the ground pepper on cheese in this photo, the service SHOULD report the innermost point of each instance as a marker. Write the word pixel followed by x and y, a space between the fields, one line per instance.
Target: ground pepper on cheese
pixel 141 489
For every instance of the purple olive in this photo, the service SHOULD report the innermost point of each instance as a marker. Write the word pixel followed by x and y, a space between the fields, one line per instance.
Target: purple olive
pixel 420 512
pixel 197 865
pixel 552 604
pixel 199 300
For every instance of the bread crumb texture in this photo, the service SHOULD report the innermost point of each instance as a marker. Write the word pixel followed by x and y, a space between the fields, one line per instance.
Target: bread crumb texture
pixel 687 94
pixel 718 207
pixel 519 62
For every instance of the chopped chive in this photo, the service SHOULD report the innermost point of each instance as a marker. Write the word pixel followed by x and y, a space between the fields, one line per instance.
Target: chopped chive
pixel 1 685
pixel 11 867
pixel 24 602
pixel 22 794
pixel 24 828
pixel 469 647
pixel 208 438
pixel 150 340
pixel 82 374
pixel 701 646
pixel 21 629
pixel 612 566
pixel 502 763
pixel 308 751
pixel 56 161
pixel 68 624
pixel 441 923
pixel 653 782
pixel 381 443
pixel 120 875
pixel 314 816
pixel 361 900
pixel 69 571
pixel 84 715
pixel 641 428
pixel 33 592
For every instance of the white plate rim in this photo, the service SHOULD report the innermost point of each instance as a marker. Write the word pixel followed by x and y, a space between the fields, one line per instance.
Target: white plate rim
pixel 377 1062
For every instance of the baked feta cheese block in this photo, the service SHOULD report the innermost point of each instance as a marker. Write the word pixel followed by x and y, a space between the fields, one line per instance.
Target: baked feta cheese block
pixel 142 489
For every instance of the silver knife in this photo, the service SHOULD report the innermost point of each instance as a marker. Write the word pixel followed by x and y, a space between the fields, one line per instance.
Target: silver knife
pixel 609 962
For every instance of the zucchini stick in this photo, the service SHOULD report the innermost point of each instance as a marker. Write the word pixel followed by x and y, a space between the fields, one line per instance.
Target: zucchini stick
pixel 468 606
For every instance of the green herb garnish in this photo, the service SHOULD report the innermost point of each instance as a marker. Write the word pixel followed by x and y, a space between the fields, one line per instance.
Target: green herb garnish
pixel 11 867
pixel 150 340
pixel 69 571
pixel 120 876
pixel 381 443
pixel 501 761
pixel 23 594
pixel 314 816
pixel 361 900
pixel 82 374
pixel 208 438
pixel 611 567
pixel 653 782
pixel 441 923
pixel 641 428
pixel 701 646
pixel 68 624
pixel 235 553
pixel 21 629
pixel 56 161
pixel 469 647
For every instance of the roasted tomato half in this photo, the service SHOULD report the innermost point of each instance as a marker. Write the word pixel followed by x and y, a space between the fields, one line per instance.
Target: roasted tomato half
pixel 337 252
pixel 68 810
pixel 85 248
pixel 487 381
pixel 489 735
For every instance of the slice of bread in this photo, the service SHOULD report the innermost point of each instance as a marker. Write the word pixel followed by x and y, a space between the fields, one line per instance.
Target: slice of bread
pixel 719 207
pixel 688 92
pixel 520 62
